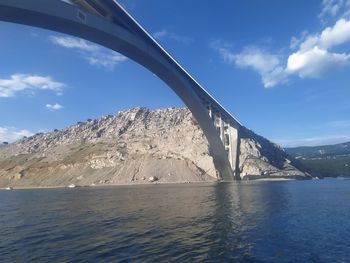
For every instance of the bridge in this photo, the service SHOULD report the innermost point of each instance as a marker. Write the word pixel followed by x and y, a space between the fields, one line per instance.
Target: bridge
pixel 105 22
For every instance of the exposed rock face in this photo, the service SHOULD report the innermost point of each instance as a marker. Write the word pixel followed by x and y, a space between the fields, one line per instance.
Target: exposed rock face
pixel 260 158
pixel 131 147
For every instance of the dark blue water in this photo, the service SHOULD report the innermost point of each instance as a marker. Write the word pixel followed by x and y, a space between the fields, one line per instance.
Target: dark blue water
pixel 300 221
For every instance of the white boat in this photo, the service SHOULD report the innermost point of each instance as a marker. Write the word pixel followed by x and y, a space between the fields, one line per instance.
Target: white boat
pixel 72 186
pixel 9 188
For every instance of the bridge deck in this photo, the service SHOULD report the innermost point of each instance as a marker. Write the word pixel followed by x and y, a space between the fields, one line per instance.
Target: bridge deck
pixel 114 12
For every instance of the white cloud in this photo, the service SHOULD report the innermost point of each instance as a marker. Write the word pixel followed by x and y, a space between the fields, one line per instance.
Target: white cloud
pixel 172 36
pixel 334 8
pixel 258 60
pixel 315 62
pixel 266 64
pixel 106 60
pixel 94 54
pixel 312 58
pixel 315 58
pixel 71 42
pixel 20 82
pixel 336 35
pixel 11 134
pixel 295 42
pixel 54 107
pixel 277 76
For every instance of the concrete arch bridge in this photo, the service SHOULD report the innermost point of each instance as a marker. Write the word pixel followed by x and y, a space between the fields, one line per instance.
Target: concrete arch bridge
pixel 105 22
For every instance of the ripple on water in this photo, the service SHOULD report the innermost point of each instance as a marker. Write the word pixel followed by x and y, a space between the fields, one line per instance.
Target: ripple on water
pixel 243 222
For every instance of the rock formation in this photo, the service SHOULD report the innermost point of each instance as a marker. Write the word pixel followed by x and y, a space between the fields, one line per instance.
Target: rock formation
pixel 260 158
pixel 133 146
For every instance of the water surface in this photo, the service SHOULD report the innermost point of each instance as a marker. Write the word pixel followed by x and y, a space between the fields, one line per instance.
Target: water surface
pixel 299 221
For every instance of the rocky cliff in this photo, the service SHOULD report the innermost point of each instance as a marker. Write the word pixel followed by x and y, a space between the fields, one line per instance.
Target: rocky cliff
pixel 260 158
pixel 133 146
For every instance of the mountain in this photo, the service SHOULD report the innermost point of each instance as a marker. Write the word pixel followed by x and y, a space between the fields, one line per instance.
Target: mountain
pixel 134 146
pixel 327 160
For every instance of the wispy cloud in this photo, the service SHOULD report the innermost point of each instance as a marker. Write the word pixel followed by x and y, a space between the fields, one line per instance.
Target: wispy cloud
pixel 11 134
pixel 268 65
pixel 313 141
pixel 160 34
pixel 172 36
pixel 54 107
pixel 105 60
pixel 296 41
pixel 95 55
pixel 20 82
pixel 313 58
pixel 334 8
pixel 77 43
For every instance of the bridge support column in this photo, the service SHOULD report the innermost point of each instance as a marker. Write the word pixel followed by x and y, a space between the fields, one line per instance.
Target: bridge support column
pixel 221 125
pixel 229 136
pixel 233 149
pixel 209 110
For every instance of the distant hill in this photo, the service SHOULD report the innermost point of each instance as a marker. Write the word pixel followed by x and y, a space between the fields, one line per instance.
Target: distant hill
pixel 327 160
pixel 320 151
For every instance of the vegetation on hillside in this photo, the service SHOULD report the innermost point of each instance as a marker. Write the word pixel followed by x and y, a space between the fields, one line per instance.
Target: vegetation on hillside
pixel 329 160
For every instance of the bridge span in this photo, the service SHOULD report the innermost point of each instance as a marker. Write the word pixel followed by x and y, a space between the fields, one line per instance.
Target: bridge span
pixel 105 22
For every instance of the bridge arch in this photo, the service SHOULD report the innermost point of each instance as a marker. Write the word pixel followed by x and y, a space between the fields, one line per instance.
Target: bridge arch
pixel 118 31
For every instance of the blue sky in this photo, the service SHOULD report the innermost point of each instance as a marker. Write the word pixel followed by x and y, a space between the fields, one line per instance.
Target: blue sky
pixel 280 67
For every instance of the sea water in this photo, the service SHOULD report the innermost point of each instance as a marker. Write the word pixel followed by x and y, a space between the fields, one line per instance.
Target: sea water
pixel 294 221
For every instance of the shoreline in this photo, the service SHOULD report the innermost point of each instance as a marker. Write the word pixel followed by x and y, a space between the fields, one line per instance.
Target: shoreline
pixel 147 184
pixel 274 179
pixel 106 185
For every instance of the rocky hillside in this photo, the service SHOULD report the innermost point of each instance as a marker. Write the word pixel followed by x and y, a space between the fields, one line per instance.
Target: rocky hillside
pixel 260 158
pixel 133 146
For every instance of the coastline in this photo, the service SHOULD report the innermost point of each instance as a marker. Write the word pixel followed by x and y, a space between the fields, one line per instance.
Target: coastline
pixel 274 179
pixel 107 185
pixel 147 184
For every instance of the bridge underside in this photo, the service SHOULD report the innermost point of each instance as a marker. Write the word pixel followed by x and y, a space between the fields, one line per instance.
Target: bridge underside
pixel 108 24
